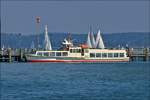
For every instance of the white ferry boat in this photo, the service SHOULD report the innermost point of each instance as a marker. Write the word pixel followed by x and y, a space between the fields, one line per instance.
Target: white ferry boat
pixel 88 52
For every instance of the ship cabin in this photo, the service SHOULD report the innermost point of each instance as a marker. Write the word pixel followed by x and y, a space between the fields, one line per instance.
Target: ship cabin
pixel 86 53
pixel 105 54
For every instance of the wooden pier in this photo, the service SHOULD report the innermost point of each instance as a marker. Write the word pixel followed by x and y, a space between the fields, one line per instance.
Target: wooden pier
pixel 18 55
pixel 139 54
pixel 13 55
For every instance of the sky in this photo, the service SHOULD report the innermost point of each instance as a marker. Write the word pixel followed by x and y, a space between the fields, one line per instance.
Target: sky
pixel 75 16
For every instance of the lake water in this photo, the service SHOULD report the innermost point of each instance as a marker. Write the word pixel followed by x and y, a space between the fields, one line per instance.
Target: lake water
pixel 59 81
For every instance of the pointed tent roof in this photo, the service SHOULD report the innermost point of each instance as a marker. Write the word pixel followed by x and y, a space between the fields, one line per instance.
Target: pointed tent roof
pixel 89 41
pixel 32 45
pixel 47 42
pixel 99 41
pixel 92 39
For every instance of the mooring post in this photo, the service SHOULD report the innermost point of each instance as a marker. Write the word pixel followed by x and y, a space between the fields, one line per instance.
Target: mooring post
pixel 146 52
pixel 21 55
pixel 9 54
pixel 129 53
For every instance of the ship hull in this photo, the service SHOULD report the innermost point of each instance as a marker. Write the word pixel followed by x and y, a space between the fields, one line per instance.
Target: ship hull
pixel 78 60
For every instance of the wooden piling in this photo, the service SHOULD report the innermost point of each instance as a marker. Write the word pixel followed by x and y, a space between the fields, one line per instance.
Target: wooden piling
pixel 129 53
pixel 20 55
pixel 146 53
pixel 9 55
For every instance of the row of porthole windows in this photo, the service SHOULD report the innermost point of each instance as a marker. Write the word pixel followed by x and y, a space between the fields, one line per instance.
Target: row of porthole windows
pixel 105 55
pixel 52 54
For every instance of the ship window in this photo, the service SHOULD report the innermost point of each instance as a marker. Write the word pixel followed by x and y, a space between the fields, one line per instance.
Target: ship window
pixel 104 54
pixel 52 53
pixel 75 50
pixel 116 55
pixel 98 54
pixel 58 53
pixel 110 55
pixel 86 50
pixel 78 50
pixel 92 54
pixel 71 51
pixel 39 53
pixel 65 54
pixel 121 54
pixel 46 54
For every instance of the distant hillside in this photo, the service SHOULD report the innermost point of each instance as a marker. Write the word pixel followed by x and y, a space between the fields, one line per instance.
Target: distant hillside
pixel 110 40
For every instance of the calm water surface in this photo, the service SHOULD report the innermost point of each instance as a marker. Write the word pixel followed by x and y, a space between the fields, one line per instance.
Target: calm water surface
pixel 58 81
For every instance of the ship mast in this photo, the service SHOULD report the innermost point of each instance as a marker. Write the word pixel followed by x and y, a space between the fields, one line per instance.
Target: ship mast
pixel 92 38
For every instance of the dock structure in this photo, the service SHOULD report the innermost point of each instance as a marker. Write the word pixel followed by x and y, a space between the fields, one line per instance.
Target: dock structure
pixel 139 54
pixel 13 55
pixel 18 55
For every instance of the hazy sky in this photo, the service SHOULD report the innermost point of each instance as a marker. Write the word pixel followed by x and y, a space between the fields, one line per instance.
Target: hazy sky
pixel 75 16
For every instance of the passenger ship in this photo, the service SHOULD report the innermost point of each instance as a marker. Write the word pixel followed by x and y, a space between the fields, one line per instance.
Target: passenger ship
pixel 87 53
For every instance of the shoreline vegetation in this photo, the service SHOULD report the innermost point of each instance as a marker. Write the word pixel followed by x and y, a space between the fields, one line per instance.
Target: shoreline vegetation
pixel 133 39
